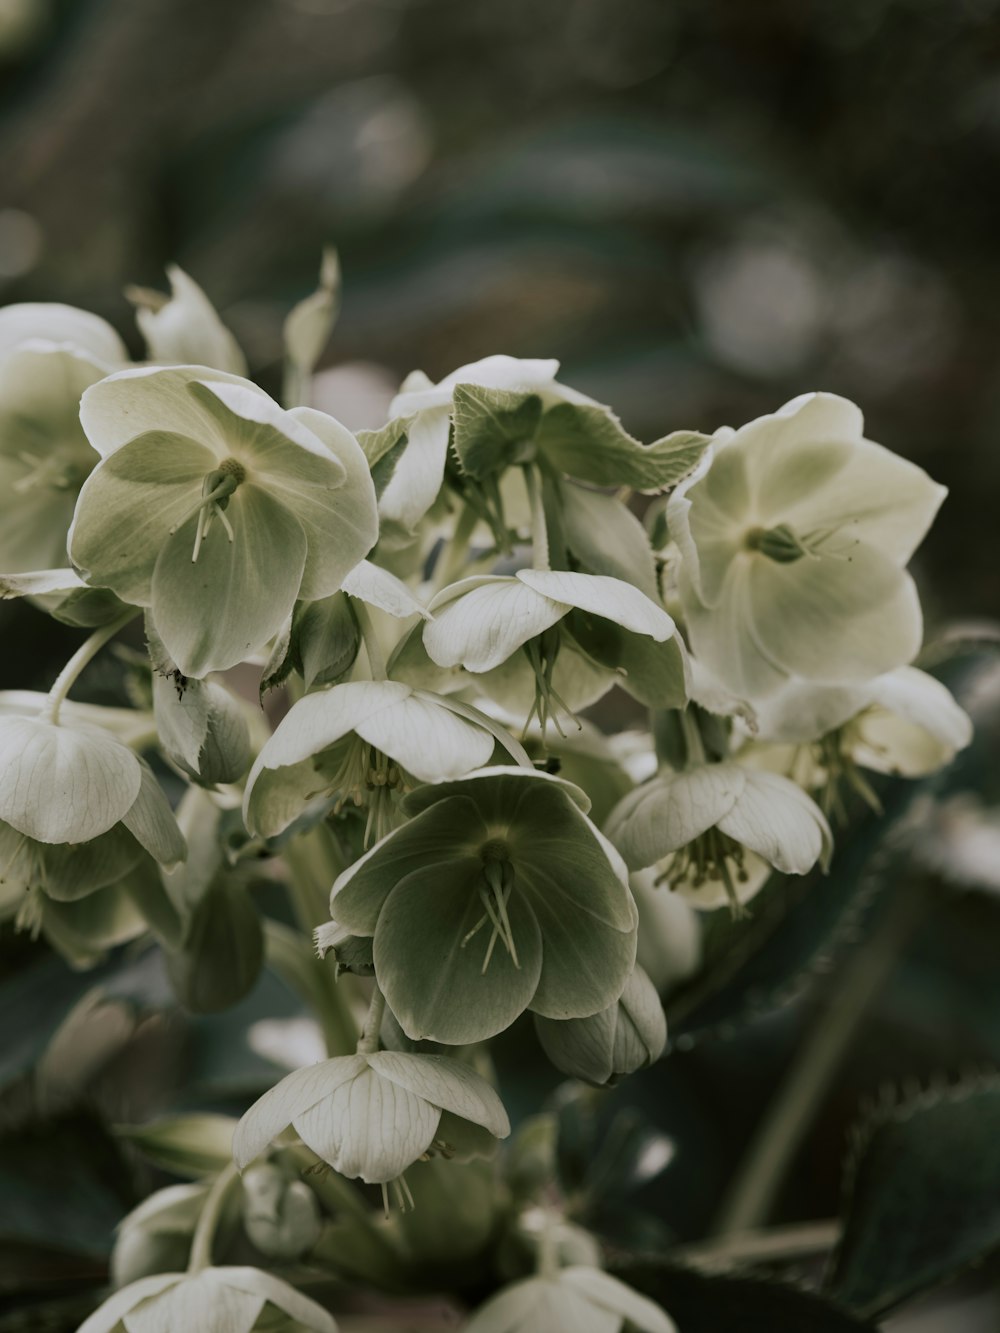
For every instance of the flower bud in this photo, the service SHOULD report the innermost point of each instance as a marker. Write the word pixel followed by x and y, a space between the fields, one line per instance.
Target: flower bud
pixel 280 1214
pixel 156 1236
pixel 628 1035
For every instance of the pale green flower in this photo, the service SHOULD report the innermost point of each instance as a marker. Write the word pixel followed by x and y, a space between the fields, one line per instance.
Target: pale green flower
pixel 716 830
pixel 217 509
pixel 184 328
pixel 373 1114
pixel 49 354
pixel 794 532
pixel 208 1301
pixel 572 1300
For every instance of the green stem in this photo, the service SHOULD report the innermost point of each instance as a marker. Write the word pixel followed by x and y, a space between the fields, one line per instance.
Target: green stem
pixel 291 956
pixel 539 531
pixel 67 678
pixel 547 1253
pixel 368 1042
pixel 376 662
pixel 787 1119
pixel 209 1217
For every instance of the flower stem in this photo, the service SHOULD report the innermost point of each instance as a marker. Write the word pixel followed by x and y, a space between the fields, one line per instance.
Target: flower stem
pixel 67 678
pixel 209 1218
pixel 539 530
pixel 376 662
pixel 368 1042
pixel 292 957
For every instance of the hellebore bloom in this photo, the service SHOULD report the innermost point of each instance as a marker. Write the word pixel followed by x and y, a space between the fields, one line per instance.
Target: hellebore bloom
pixel 716 830
pixel 572 1300
pixel 363 741
pixel 206 1301
pixel 184 328
pixel 48 355
pixel 77 808
pixel 794 532
pixel 216 508
pixel 428 407
pixel 375 1113
pixel 479 623
pixel 499 895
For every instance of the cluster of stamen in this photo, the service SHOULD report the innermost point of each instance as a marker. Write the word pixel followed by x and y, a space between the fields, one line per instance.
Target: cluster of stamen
pixel 712 856
pixel 367 778
pixel 216 490
pixel 784 546
pixel 541 653
pixel 841 773
pixel 495 886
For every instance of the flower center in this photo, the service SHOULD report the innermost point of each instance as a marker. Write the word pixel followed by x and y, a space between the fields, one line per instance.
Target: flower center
pixel 841 773
pixel 779 544
pixel 216 490
pixel 495 885
pixel 713 855
pixel 541 653
pixel 361 775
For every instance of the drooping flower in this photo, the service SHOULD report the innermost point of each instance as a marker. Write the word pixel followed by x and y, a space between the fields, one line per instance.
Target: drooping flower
pixel 571 1300
pixel 217 509
pixel 794 532
pixel 479 623
pixel 206 1301
pixel 373 1114
pixel 364 742
pixel 49 354
pixel 499 895
pixel 715 831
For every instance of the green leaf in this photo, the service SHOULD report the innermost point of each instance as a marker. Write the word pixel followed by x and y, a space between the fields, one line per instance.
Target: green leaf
pixel 325 639
pixel 187 1145
pixel 922 1196
pixel 383 449
pixel 493 428
pixel 202 729
pixel 701 1304
pixel 589 443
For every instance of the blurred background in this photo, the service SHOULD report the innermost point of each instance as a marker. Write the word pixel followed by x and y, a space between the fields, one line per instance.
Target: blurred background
pixel 702 208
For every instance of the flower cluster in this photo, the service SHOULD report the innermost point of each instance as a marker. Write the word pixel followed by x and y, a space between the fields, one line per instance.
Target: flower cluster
pixel 440 598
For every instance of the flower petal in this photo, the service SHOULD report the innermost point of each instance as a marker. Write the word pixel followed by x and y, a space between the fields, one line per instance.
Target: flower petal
pixel 540 1305
pixel 187 328
pixel 63 784
pixel 62 326
pixel 378 587
pixel 607 1292
pixel 913 727
pixel 483 627
pixel 281 1295
pixel 295 1094
pixel 672 810
pixel 214 613
pixel 369 1127
pixel 431 969
pixel 614 599
pixel 199 1303
pixel 107 1316
pixel 419 472
pixel 608 538
pixel 777 820
pixel 151 822
pixel 427 740
pixel 445 1083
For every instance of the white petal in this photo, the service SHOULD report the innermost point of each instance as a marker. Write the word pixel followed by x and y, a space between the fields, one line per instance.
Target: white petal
pixel 63 784
pixel 429 741
pixel 540 1305
pixel 666 814
pixel 482 628
pixel 108 1315
pixel 724 638
pixel 612 599
pixel 493 372
pixel 445 1083
pixel 147 398
pixel 63 326
pixel 603 1289
pixel 151 822
pixel 369 1127
pixel 200 1303
pixel 777 820
pixel 802 711
pixel 187 329
pixel 39 582
pixel 378 587
pixel 918 698
pixel 608 538
pixel 281 1295
pixel 418 474
pixel 296 1093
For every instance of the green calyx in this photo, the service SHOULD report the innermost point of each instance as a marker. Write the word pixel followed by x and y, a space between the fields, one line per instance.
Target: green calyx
pixel 779 544
pixel 216 490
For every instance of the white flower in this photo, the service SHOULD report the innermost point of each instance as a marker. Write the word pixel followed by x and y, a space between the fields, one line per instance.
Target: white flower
pixel 904 722
pixel 794 532
pixel 363 741
pixel 716 830
pixel 572 1300
pixel 208 1301
pixel 372 1115
pixel 184 327
pixel 427 407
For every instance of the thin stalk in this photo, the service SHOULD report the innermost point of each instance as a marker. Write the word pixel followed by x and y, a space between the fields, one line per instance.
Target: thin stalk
pixel 784 1126
pixel 368 1042
pixel 89 649
pixel 376 662
pixel 539 531
pixel 209 1218
pixel 293 958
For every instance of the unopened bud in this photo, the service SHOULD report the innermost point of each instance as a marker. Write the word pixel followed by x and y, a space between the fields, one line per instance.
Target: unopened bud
pixel 280 1215
pixel 629 1035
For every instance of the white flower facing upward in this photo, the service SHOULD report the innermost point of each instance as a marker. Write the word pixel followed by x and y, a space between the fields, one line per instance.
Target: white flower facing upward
pixel 794 532
pixel 427 409
pixel 373 1114
pixel 715 831
pixel 209 1301
pixel 571 1300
